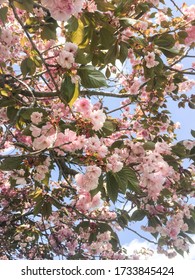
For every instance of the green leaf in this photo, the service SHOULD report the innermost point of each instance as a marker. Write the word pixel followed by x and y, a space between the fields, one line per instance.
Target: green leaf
pixel 84 224
pixel 112 54
pixel 81 35
pixel 37 208
pixel 5 102
pixel 118 144
pixel 191 104
pixel 112 186
pixel 48 33
pixel 3 14
pixel 149 145
pixel 154 222
pixel 186 236
pixel 123 7
pixel 109 127
pixel 104 6
pixel 28 66
pixel 49 29
pixel 126 177
pixel 32 24
pixel 72 24
pixel 103 227
pixel 67 89
pixel 26 113
pixel 165 41
pixel 12 113
pixel 182 36
pixel 138 215
pixel 121 180
pixel 107 38
pixel 126 22
pixel 115 242
pixel 25 5
pixel 91 78
pixel 123 52
pixel 123 218
pixel 133 183
pixel 193 133
pixel 170 53
pixel 179 150
pixel 46 209
pixel 12 163
pixel 191 225
pixel 82 57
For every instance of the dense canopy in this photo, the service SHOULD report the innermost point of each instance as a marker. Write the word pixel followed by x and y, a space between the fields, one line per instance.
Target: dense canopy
pixel 88 146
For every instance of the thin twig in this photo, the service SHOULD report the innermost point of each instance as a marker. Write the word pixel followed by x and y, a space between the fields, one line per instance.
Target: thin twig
pixel 143 237
pixel 33 45
pixel 177 7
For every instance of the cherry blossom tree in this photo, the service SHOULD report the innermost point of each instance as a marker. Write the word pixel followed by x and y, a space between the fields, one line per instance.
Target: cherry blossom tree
pixel 88 146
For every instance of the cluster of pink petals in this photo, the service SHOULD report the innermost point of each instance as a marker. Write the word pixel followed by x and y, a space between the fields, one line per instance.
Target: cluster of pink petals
pixel 155 172
pixel 90 5
pixel 150 60
pixel 62 10
pixel 89 180
pixel 96 116
pixel 173 226
pixel 191 35
pixel 189 11
pixel 66 56
pixel 85 202
pixel 36 117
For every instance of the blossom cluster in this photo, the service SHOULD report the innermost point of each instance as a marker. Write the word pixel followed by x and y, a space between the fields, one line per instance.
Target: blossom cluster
pixel 75 166
pixel 62 10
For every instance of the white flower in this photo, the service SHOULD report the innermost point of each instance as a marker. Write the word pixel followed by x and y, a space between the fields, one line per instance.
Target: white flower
pixel 65 59
pixel 97 118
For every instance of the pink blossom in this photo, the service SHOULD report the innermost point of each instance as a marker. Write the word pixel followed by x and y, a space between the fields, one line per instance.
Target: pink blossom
pixel 63 9
pixel 89 180
pixel 90 6
pixel 114 163
pixel 191 35
pixel 189 12
pixel 93 171
pixel 83 105
pixel 42 142
pixel 36 131
pixel 134 89
pixel 86 202
pixel 6 36
pixel 154 2
pixel 65 59
pixel 150 60
pixel 97 118
pixel 189 144
pixel 39 12
pixel 160 17
pixel 162 148
pixel 80 142
pixel 70 47
pixel 36 117
pixel 42 169
pixel 60 140
pixel 126 34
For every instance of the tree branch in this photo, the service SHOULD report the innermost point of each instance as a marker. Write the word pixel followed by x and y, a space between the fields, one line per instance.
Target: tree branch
pixel 33 45
pixel 143 237
pixel 54 94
